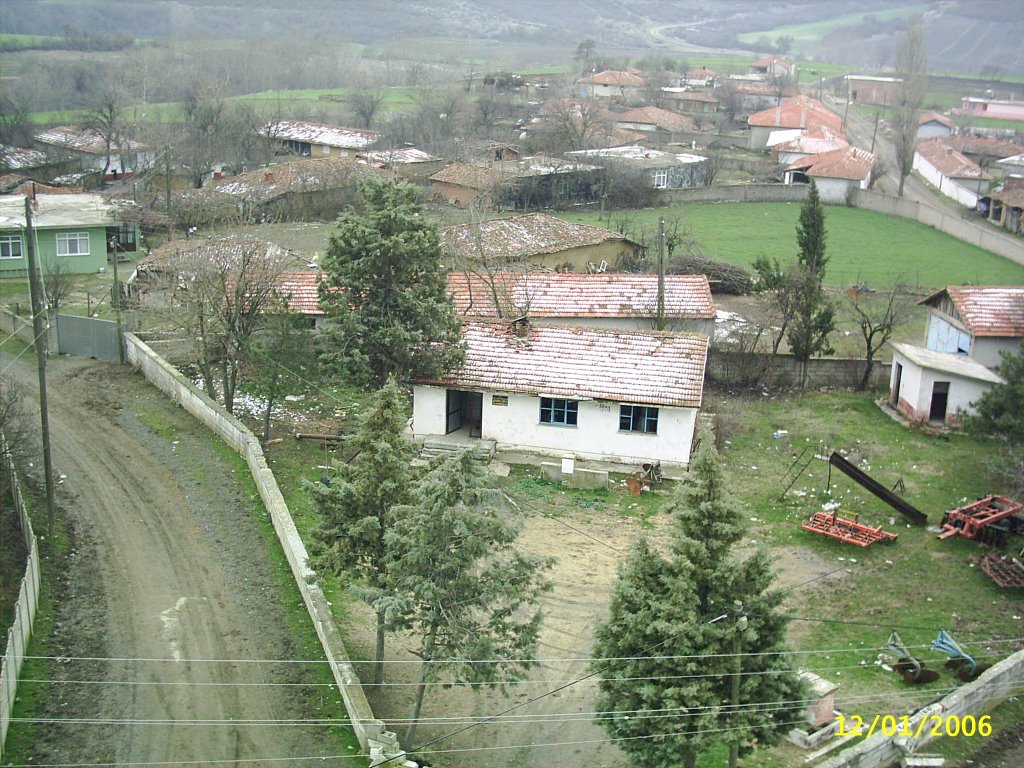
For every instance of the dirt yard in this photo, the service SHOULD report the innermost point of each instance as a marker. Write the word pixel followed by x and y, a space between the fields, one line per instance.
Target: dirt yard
pixel 583 576
pixel 168 578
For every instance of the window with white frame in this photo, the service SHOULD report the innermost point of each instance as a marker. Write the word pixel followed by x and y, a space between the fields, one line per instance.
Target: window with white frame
pixel 659 178
pixel 10 246
pixel 72 243
pixel 563 413
pixel 638 418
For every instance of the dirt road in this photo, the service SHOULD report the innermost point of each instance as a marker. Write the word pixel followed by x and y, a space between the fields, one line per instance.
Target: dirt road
pixel 168 571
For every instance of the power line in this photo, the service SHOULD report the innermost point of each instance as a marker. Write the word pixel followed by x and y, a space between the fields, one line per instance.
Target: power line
pixel 868 624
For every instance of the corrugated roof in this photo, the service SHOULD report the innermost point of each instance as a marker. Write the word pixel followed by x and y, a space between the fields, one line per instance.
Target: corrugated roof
pixel 948 161
pixel 522 236
pixel 947 362
pixel 546 295
pixel 81 140
pixel 987 310
pixel 628 366
pixel 614 78
pixel 850 163
pixel 798 112
pixel 321 133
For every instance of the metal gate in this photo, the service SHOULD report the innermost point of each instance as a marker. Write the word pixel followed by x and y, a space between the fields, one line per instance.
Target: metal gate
pixel 87 337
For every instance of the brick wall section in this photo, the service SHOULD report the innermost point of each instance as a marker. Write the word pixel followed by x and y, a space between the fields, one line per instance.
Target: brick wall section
pixel 371 732
pixel 973 698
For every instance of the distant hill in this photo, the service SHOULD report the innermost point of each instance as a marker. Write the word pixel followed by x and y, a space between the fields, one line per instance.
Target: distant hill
pixel 962 35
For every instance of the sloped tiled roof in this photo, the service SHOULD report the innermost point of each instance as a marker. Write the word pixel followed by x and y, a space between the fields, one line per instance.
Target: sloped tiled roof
pixel 798 112
pixel 179 255
pixel 471 176
pixel 18 158
pixel 685 94
pixel 545 294
pixel 814 142
pixel 614 78
pixel 932 116
pixel 987 310
pixel 983 145
pixel 629 366
pixel 301 289
pixel 662 118
pixel 849 163
pixel 1012 197
pixel 948 161
pixel 321 133
pixel 80 140
pixel 398 156
pixel 522 236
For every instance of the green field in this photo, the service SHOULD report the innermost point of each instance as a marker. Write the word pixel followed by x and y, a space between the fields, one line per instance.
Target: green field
pixel 863 246
pixel 807 37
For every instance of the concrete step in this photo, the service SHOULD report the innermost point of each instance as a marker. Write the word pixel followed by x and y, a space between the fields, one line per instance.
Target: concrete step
pixel 483 450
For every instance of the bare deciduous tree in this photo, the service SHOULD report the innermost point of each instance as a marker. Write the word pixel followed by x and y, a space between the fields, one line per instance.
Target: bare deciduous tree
pixel 366 102
pixel 877 317
pixel 911 87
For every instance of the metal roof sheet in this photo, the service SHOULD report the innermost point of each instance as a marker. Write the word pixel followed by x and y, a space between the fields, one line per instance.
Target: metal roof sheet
pixel 628 366
pixel 321 133
pixel 58 211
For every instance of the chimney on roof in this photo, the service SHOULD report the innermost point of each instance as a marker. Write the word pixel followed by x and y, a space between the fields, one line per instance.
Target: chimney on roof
pixel 520 327
pixel 268 176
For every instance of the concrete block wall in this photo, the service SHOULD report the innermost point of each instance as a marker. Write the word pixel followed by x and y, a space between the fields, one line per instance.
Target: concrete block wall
pixel 783 371
pixel 21 328
pixel 371 732
pixel 974 698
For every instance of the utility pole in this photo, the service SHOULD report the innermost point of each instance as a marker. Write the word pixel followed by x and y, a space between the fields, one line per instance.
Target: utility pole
pixel 661 274
pixel 41 345
pixel 874 132
pixel 115 299
pixel 741 626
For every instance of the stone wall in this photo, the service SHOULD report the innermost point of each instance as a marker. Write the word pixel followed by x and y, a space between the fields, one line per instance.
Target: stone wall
pixel 783 371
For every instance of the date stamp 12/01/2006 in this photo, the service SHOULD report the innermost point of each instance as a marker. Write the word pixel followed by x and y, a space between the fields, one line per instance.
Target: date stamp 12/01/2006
pixel 930 726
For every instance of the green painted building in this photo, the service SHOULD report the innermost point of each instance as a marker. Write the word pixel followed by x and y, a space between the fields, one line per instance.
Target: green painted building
pixel 78 230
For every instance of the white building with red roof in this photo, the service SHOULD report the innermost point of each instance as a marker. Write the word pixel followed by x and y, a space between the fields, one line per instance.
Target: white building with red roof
pixel 619 301
pixel 788 145
pixel 614 85
pixel 951 172
pixel 836 173
pixel 605 395
pixel 800 112
pixel 931 124
pixel 968 329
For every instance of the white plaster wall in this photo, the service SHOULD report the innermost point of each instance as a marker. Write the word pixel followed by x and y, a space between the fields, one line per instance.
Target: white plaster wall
pixel 946 186
pixel 932 130
pixel 986 349
pixel 517 426
pixel 428 410
pixel 910 382
pixel 917 384
pixel 833 191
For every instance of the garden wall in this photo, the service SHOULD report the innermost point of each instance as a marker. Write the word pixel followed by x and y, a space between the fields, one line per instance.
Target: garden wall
pixel 24 609
pixel 21 328
pixel 975 698
pixel 371 732
pixel 782 371
pixel 738 193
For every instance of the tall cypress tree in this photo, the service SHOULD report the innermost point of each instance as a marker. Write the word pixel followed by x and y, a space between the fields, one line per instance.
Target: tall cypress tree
pixel 813 317
pixel 357 507
pixel 683 626
pixel 810 233
pixel 385 289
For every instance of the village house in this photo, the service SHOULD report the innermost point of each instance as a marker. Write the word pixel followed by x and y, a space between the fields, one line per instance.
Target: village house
pixel 524 184
pixel 982 150
pixel 835 173
pixel 537 240
pixel 617 301
pixel 605 395
pixel 771 67
pixel 689 101
pixel 699 77
pixel 408 162
pixel 298 137
pixel 968 327
pixel 931 124
pixel 998 109
pixel 1005 206
pixel 90 150
pixel 789 145
pixel 873 91
pixel 660 124
pixel 75 231
pixel 612 85
pixel 801 113
pixel 660 170
pixel 950 172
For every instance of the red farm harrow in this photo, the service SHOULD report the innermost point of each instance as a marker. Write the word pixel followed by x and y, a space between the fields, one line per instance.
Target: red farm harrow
pixel 852 532
pixel 987 520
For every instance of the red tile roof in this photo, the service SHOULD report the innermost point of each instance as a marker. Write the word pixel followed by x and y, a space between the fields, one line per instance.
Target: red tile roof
pixel 988 310
pixel 948 161
pixel 814 142
pixel 301 290
pixel 983 145
pixel 545 294
pixel 850 163
pixel 934 117
pixel 661 118
pixel 615 78
pixel 798 112
pixel 471 176
pixel 522 236
pixel 628 366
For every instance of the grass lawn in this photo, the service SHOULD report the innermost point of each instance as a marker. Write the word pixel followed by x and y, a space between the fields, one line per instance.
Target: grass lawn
pixel 807 37
pixel 862 245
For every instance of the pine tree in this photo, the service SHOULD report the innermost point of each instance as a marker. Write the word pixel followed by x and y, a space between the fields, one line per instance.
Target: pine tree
pixel 357 507
pixel 686 625
pixel 386 289
pixel 462 588
pixel 1000 410
pixel 810 233
pixel 813 318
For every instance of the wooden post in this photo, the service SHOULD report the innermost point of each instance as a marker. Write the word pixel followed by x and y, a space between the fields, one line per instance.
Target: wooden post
pixel 661 274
